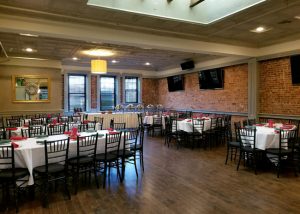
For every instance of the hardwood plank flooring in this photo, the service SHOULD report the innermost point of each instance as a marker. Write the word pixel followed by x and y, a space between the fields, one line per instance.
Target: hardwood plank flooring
pixel 181 181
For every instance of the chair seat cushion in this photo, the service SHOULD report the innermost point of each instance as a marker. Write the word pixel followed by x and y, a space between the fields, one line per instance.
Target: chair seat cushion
pixel 52 168
pixel 111 156
pixel 8 173
pixel 234 144
pixel 81 160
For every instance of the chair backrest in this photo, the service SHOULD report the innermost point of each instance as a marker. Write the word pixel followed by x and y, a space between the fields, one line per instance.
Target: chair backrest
pixel 227 121
pixel 87 145
pixel 63 119
pixel 198 125
pixel 56 129
pixel 56 152
pixel 36 121
pixel 119 126
pixel 245 123
pixel 157 120
pixel 7 159
pixel 237 125
pixel 112 142
pixel 2 134
pixel 19 117
pixel 90 125
pixel 251 122
pixel 287 139
pixel 213 123
pixel 76 119
pixel 220 122
pixel 1 123
pixel 32 131
pixel 99 120
pixel 247 137
pixel 13 122
pixel 130 140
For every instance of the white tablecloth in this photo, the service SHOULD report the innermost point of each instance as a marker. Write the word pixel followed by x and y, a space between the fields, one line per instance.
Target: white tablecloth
pixel 187 125
pixel 131 119
pixel 30 154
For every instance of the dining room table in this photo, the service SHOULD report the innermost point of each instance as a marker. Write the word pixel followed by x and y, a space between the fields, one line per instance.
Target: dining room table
pixel 29 152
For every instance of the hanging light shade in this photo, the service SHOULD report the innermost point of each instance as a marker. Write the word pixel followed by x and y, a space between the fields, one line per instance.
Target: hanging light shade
pixel 98 66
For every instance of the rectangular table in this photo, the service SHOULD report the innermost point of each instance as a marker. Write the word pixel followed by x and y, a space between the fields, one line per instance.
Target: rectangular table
pixel 130 118
pixel 30 154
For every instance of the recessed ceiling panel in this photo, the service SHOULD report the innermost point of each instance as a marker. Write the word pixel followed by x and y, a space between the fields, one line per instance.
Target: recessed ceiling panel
pixel 206 12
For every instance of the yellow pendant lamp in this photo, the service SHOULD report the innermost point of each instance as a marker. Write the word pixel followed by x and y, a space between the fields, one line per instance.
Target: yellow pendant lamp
pixel 98 66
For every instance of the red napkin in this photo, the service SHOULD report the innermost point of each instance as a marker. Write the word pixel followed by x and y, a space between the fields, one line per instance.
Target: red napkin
pixel 49 116
pixel 18 138
pixel 276 131
pixel 25 125
pixel 54 121
pixel 189 121
pixel 195 117
pixel 113 132
pixel 74 131
pixel 259 124
pixel 180 119
pixel 11 129
pixel 15 145
pixel 110 129
pixel 86 121
pixel 287 127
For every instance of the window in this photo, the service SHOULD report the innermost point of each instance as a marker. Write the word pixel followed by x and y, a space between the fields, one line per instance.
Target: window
pixel 107 93
pixel 131 89
pixel 77 92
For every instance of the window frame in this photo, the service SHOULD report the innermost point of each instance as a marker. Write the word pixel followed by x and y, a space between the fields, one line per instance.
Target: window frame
pixel 85 91
pixel 137 90
pixel 115 90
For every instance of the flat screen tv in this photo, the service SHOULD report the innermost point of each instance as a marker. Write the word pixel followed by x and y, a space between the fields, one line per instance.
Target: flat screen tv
pixel 211 79
pixel 295 69
pixel 176 83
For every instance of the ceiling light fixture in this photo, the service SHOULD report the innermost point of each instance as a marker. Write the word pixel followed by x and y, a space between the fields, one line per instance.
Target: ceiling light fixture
pixel 29 50
pixel 260 29
pixel 297 17
pixel 114 61
pixel 75 58
pixel 28 34
pixel 147 63
pixel 98 52
pixel 98 66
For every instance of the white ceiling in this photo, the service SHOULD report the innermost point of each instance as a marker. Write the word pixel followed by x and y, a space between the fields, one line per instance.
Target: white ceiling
pixel 233 30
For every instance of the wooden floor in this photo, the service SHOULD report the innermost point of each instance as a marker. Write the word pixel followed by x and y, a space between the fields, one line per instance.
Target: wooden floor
pixel 181 181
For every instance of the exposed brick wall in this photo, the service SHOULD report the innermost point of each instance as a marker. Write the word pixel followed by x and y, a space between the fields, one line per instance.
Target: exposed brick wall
pixel 277 95
pixel 150 91
pixel 94 92
pixel 233 98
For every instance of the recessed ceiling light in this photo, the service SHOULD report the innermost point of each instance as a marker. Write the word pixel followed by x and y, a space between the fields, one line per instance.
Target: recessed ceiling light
pixel 260 29
pixel 28 34
pixel 75 58
pixel 29 50
pixel 114 61
pixel 147 63
pixel 98 52
pixel 297 17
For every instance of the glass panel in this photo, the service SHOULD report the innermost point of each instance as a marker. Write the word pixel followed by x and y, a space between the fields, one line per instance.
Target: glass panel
pixel 76 101
pixel 76 84
pixel 107 93
pixel 131 96
pixel 130 83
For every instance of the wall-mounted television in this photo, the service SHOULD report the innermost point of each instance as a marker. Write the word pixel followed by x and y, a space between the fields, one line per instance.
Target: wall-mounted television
pixel 176 83
pixel 211 79
pixel 295 69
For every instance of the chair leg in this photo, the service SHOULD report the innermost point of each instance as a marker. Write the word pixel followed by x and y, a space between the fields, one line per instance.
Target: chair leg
pixel 136 172
pixel 142 159
pixel 16 194
pixel 66 188
pixel 104 174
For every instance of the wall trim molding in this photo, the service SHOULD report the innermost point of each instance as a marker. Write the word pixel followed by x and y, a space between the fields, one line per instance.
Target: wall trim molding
pixel 279 116
pixel 244 114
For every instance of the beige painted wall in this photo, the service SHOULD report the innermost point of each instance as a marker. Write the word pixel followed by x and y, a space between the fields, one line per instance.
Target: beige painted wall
pixel 8 107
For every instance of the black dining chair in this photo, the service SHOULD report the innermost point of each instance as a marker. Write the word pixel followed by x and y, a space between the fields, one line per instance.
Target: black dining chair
pixel 55 168
pixel 119 126
pixel 284 155
pixel 233 145
pixel 248 150
pixel 56 129
pixel 32 131
pixel 85 161
pixel 13 122
pixel 10 175
pixel 111 156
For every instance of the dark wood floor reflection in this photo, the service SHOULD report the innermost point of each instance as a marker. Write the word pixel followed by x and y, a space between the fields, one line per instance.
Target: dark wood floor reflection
pixel 182 181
